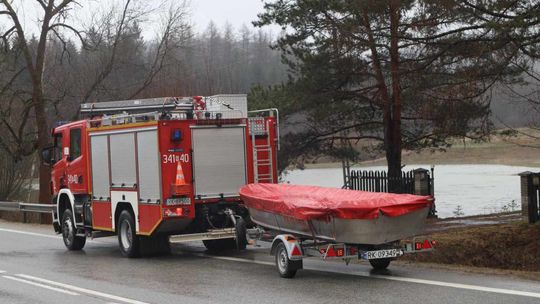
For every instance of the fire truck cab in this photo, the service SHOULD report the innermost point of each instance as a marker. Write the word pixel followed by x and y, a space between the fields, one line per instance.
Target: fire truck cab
pixel 155 171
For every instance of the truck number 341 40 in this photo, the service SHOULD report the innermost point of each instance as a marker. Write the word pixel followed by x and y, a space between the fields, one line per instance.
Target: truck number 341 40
pixel 172 158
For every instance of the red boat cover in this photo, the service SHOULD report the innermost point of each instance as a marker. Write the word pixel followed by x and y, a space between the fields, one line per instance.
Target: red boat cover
pixel 311 202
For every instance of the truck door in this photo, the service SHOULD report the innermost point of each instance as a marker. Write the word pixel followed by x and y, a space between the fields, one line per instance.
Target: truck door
pixel 76 160
pixel 58 174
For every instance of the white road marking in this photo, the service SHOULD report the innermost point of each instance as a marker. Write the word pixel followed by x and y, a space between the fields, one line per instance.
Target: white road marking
pixel 400 279
pixel 45 235
pixel 82 290
pixel 362 274
pixel 2 271
pixel 41 285
pixel 30 233
pixel 461 286
pixel 241 260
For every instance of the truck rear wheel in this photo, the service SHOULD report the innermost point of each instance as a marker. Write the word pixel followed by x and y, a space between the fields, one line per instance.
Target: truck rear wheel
pixel 128 240
pixel 380 264
pixel 69 232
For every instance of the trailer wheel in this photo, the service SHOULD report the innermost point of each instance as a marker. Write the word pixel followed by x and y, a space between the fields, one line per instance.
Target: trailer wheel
pixel 71 240
pixel 286 267
pixel 380 264
pixel 128 240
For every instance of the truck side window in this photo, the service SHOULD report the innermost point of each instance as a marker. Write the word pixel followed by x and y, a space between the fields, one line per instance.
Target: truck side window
pixel 74 143
pixel 58 147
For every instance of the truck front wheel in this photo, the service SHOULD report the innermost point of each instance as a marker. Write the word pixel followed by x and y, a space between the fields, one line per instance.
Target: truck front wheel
pixel 69 232
pixel 128 240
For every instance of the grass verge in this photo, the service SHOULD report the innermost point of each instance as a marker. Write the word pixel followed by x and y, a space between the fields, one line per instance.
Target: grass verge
pixel 511 246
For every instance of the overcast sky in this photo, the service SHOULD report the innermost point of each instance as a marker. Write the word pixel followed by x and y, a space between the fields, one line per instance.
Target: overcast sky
pixel 236 12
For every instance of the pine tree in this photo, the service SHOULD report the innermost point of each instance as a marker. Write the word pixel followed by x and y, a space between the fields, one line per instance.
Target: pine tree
pixel 408 74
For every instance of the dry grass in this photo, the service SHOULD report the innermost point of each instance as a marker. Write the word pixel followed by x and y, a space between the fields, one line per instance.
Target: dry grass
pixel 514 246
pixel 515 151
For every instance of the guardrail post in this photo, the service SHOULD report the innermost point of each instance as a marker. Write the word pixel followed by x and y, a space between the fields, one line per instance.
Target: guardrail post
pixel 530 192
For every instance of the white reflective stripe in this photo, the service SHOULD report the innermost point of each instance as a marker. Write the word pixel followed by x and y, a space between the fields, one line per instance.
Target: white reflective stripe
pixel 41 285
pixel 82 290
pixel 120 131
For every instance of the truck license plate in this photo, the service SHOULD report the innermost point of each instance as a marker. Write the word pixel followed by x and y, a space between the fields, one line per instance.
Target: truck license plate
pixel 178 201
pixel 381 254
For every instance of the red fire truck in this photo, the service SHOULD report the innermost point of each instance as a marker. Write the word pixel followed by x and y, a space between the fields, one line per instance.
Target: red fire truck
pixel 158 170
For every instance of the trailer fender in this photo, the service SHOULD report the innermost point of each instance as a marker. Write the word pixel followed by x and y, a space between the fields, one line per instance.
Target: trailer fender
pixel 64 193
pixel 294 250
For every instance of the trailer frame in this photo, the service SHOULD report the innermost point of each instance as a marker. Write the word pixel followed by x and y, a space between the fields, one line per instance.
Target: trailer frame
pixel 290 250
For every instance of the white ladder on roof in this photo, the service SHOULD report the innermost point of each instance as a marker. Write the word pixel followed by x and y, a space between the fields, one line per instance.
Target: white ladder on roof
pixel 262 157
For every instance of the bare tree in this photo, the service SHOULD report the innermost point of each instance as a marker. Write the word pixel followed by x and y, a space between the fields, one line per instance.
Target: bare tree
pixel 103 48
pixel 14 176
pixel 53 18
pixel 109 49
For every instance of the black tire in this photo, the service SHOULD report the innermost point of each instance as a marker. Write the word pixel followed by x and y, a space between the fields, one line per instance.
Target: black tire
pixel 380 264
pixel 241 234
pixel 240 243
pixel 71 240
pixel 285 267
pixel 128 240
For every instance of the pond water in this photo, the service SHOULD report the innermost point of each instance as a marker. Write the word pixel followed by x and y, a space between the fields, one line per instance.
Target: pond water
pixel 476 189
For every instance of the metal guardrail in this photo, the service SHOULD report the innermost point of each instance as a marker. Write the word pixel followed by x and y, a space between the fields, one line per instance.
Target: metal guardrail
pixel 26 207
pixel 9 206
pixel 38 208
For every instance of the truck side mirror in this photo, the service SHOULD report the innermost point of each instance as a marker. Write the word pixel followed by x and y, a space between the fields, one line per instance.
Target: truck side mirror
pixel 47 156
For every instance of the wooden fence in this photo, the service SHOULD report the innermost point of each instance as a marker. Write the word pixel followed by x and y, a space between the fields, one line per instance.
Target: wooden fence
pixel 378 181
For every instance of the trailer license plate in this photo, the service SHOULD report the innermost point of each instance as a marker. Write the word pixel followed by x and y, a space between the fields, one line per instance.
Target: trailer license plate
pixel 381 254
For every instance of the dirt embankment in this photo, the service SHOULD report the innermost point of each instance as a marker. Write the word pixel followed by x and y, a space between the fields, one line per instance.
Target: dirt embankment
pixel 512 245
pixel 519 150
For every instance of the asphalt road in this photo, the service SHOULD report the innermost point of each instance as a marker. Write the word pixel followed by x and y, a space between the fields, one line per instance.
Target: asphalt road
pixel 36 268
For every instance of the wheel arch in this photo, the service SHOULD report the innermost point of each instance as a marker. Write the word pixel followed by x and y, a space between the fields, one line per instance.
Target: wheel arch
pixel 121 206
pixel 290 242
pixel 64 200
